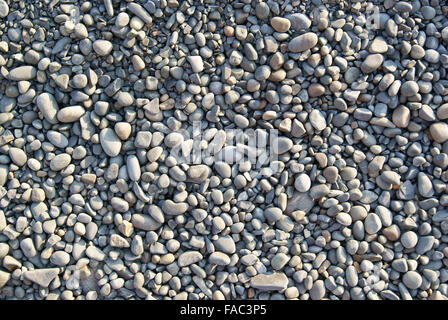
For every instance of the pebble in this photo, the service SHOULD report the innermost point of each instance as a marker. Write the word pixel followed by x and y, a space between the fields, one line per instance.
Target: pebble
pixel 198 173
pixel 331 174
pixel 144 222
pixel 316 90
pixel 140 12
pixel 317 120
pixel 60 258
pixel 197 65
pixel 303 42
pixel 110 143
pixel 372 63
pixel 282 145
pixel 442 111
pixel 280 24
pixel 401 117
pixel 123 130
pixel 189 257
pixel 425 244
pixel 409 89
pixel 379 45
pixel 57 139
pixel 409 239
pixel 70 114
pixel 391 177
pixel 102 47
pixel 302 183
pixel 372 223
pixel 59 162
pixel 273 214
pixel 94 253
pixel 122 20
pixel 42 277
pixel 425 185
pixel 348 173
pixel 344 219
pixel 412 280
pixel 439 132
pixel 170 207
pixel 48 105
pixel 318 290
pixel 4 278
pixel 4 10
pixel 22 73
pixel 279 261
pixel 133 167
pixel 299 21
pixel 18 156
pixel 219 258
pixel 269 282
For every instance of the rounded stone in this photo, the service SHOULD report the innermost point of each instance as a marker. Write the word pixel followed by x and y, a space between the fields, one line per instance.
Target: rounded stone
pixel 133 166
pixel 70 114
pixel 299 21
pixel 48 106
pixel 372 223
pixel 344 219
pixel 122 20
pixel 219 258
pixel 409 89
pixel 172 208
pixel 409 239
pixel 348 173
pixel 189 257
pixel 79 81
pixel 428 12
pixel 102 47
pixel 318 290
pixel 401 116
pixel 273 214
pixel 331 174
pixel 197 65
pixel 59 162
pixel 279 261
pixel 302 183
pixel 379 45
pixel 124 99
pixel 316 90
pixel 110 142
pixel 262 10
pixel 241 121
pixel 281 145
pixel 173 139
pixel 57 139
pixel 442 112
pixel 60 258
pixel 4 9
pixel 412 280
pixel 439 132
pixel 303 42
pixel 372 63
pixel 123 130
pixel 417 52
pixel 22 73
pixel 18 156
pixel 280 24
pixel 358 213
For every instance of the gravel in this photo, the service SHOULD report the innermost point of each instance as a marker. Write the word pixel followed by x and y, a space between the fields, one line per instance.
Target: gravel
pixel 223 150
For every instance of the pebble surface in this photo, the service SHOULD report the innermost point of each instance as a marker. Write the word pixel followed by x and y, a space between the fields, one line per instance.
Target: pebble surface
pixel 128 132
